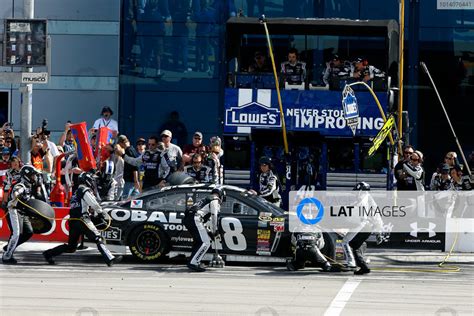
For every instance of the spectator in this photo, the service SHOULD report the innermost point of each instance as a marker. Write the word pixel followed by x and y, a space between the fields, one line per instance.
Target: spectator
pixel 67 139
pixel 12 175
pixel 39 150
pixel 106 184
pixel 174 153
pixel 362 71
pixel 93 142
pixel 335 68
pixel 451 159
pixel 415 175
pixel 196 147
pixel 2 141
pixel 400 174
pixel 150 160
pixel 140 148
pixel 119 151
pixel 293 70
pixel 460 183
pixel 5 162
pixel 260 64
pixel 441 181
pixel 141 145
pixel 213 160
pixel 130 172
pixel 197 171
pixel 177 128
pixel 11 145
pixel 106 121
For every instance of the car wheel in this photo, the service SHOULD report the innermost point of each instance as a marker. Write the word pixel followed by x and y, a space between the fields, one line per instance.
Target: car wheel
pixel 40 213
pixel 148 242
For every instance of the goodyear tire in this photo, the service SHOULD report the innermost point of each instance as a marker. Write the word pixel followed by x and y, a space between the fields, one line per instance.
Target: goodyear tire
pixel 148 242
pixel 177 178
pixel 40 213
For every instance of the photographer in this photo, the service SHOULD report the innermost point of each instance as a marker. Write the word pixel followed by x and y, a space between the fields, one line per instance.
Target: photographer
pixel 7 137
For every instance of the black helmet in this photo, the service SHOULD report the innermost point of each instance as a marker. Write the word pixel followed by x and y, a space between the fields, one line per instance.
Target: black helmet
pixel 29 174
pixel 362 186
pixel 219 191
pixel 264 160
pixel 87 179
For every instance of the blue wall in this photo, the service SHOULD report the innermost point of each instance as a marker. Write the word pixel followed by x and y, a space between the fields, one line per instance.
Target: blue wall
pixel 85 40
pixel 444 39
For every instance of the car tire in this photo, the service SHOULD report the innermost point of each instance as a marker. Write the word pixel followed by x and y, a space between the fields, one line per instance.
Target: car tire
pixel 148 242
pixel 41 215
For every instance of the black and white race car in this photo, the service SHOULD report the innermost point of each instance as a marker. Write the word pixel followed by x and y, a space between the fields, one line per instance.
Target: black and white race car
pixel 151 225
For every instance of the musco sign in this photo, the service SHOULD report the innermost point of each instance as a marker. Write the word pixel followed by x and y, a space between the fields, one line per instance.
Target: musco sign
pixel 31 77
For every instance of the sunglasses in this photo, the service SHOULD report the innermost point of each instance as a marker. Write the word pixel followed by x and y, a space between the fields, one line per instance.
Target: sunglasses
pixel 141 143
pixel 408 152
pixel 450 158
pixel 414 159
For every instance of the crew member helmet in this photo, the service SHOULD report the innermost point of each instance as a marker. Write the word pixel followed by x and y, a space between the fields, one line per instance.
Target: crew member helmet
pixel 29 175
pixel 86 179
pixel 265 160
pixel 220 192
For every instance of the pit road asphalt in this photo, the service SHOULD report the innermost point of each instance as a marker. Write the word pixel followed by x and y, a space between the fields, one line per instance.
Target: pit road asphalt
pixel 81 284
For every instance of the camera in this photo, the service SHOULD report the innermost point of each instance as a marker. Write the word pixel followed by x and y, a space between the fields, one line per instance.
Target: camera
pixel 44 124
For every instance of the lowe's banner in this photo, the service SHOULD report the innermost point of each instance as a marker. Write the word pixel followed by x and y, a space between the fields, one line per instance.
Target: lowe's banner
pixel 308 111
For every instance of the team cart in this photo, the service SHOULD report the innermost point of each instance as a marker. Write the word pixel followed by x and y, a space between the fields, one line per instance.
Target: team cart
pixel 151 226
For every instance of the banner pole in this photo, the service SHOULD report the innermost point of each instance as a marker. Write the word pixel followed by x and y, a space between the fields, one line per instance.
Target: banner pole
pixel 263 20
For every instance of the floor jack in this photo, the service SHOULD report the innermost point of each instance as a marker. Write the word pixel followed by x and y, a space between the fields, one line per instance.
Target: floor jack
pixel 217 261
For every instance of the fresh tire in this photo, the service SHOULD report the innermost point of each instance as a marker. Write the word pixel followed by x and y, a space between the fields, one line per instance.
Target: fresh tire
pixel 148 242
pixel 40 213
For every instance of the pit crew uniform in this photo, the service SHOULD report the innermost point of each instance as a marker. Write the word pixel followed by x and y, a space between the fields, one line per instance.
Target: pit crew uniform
pixel 150 159
pixel 356 237
pixel 19 224
pixel 83 205
pixel 194 220
pixel 201 176
pixel 295 74
pixel 307 247
pixel 268 187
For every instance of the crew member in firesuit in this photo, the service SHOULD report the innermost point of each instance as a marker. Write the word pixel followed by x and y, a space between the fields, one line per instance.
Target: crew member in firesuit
pixel 197 171
pixel 268 183
pixel 293 70
pixel 151 160
pixel 195 219
pixel 18 222
pixel 84 205
pixel 307 247
pixel 356 237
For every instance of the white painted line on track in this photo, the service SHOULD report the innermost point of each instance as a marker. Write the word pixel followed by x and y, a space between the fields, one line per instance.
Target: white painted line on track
pixel 342 297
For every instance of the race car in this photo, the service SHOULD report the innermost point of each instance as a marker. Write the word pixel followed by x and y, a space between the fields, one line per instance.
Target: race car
pixel 252 229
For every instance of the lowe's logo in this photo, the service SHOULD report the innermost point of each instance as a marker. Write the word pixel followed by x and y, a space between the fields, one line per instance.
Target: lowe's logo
pixel 254 110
